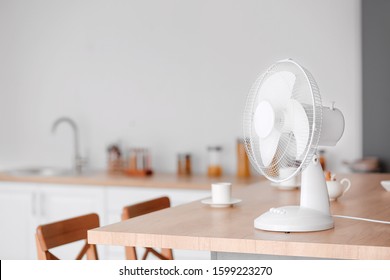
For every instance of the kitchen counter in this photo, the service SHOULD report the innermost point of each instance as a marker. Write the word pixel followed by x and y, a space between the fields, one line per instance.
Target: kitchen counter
pixel 195 226
pixel 101 178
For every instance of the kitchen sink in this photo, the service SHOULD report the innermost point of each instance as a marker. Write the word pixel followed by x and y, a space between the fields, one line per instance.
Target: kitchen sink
pixel 40 171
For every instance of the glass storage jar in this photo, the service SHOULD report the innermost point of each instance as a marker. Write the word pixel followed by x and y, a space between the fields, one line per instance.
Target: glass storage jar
pixel 214 167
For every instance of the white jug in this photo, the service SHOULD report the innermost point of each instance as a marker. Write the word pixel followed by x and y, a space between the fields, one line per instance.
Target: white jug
pixel 337 189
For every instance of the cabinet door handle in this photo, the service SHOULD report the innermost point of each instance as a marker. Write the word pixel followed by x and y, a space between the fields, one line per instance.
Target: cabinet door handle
pixel 42 205
pixel 34 204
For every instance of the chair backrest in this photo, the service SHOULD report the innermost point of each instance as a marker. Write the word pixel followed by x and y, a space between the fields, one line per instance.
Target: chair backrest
pixel 64 232
pixel 143 208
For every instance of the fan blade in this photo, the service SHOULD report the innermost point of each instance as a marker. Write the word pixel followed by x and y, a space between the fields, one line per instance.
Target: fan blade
pixel 277 89
pixel 288 148
pixel 298 122
pixel 264 119
pixel 268 147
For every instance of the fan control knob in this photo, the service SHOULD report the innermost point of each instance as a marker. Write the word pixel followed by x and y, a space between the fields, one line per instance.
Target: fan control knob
pixel 277 211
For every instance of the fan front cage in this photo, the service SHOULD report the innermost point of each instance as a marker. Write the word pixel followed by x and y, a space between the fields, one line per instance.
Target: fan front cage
pixel 306 92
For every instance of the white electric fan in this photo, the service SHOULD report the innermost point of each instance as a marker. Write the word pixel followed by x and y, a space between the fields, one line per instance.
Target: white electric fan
pixel 284 122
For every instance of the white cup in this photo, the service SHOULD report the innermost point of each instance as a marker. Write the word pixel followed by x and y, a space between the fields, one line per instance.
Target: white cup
pixel 221 192
pixel 337 189
pixel 290 183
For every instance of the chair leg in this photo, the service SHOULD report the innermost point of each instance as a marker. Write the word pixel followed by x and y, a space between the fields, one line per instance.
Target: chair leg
pixel 92 253
pixel 131 253
pixel 167 253
pixel 41 253
pixel 145 255
pixel 157 254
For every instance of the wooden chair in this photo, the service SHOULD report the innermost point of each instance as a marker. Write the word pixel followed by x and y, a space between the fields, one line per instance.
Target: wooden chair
pixel 67 231
pixel 143 208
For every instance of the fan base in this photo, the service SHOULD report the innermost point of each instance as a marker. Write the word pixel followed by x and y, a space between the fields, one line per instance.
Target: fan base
pixel 294 219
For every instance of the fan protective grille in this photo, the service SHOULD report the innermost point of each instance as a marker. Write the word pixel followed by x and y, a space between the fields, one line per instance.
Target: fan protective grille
pixel 286 162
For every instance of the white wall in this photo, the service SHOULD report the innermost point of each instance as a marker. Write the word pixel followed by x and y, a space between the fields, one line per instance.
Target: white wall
pixel 169 75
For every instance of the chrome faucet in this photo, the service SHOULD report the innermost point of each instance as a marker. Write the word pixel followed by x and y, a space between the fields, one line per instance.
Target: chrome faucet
pixel 78 160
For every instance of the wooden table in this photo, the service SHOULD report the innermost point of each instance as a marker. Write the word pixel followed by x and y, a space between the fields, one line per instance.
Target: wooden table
pixel 195 226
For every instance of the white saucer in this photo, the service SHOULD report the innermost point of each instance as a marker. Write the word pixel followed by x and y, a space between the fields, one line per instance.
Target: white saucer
pixel 209 201
pixel 285 187
pixel 386 185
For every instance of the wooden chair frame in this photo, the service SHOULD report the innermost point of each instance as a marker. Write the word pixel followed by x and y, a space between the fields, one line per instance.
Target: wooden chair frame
pixel 143 208
pixel 64 232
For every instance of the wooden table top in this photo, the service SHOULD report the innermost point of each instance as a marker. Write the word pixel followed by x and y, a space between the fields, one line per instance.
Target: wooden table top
pixel 196 226
pixel 159 180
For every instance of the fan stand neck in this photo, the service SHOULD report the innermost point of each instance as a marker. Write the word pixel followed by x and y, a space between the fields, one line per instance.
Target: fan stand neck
pixel 313 214
pixel 314 192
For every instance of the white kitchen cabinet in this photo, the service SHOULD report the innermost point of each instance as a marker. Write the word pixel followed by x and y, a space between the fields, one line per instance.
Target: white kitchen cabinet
pixel 59 202
pixel 24 206
pixel 18 219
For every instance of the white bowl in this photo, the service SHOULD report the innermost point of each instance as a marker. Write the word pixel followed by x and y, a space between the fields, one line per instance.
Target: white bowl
pixel 386 185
